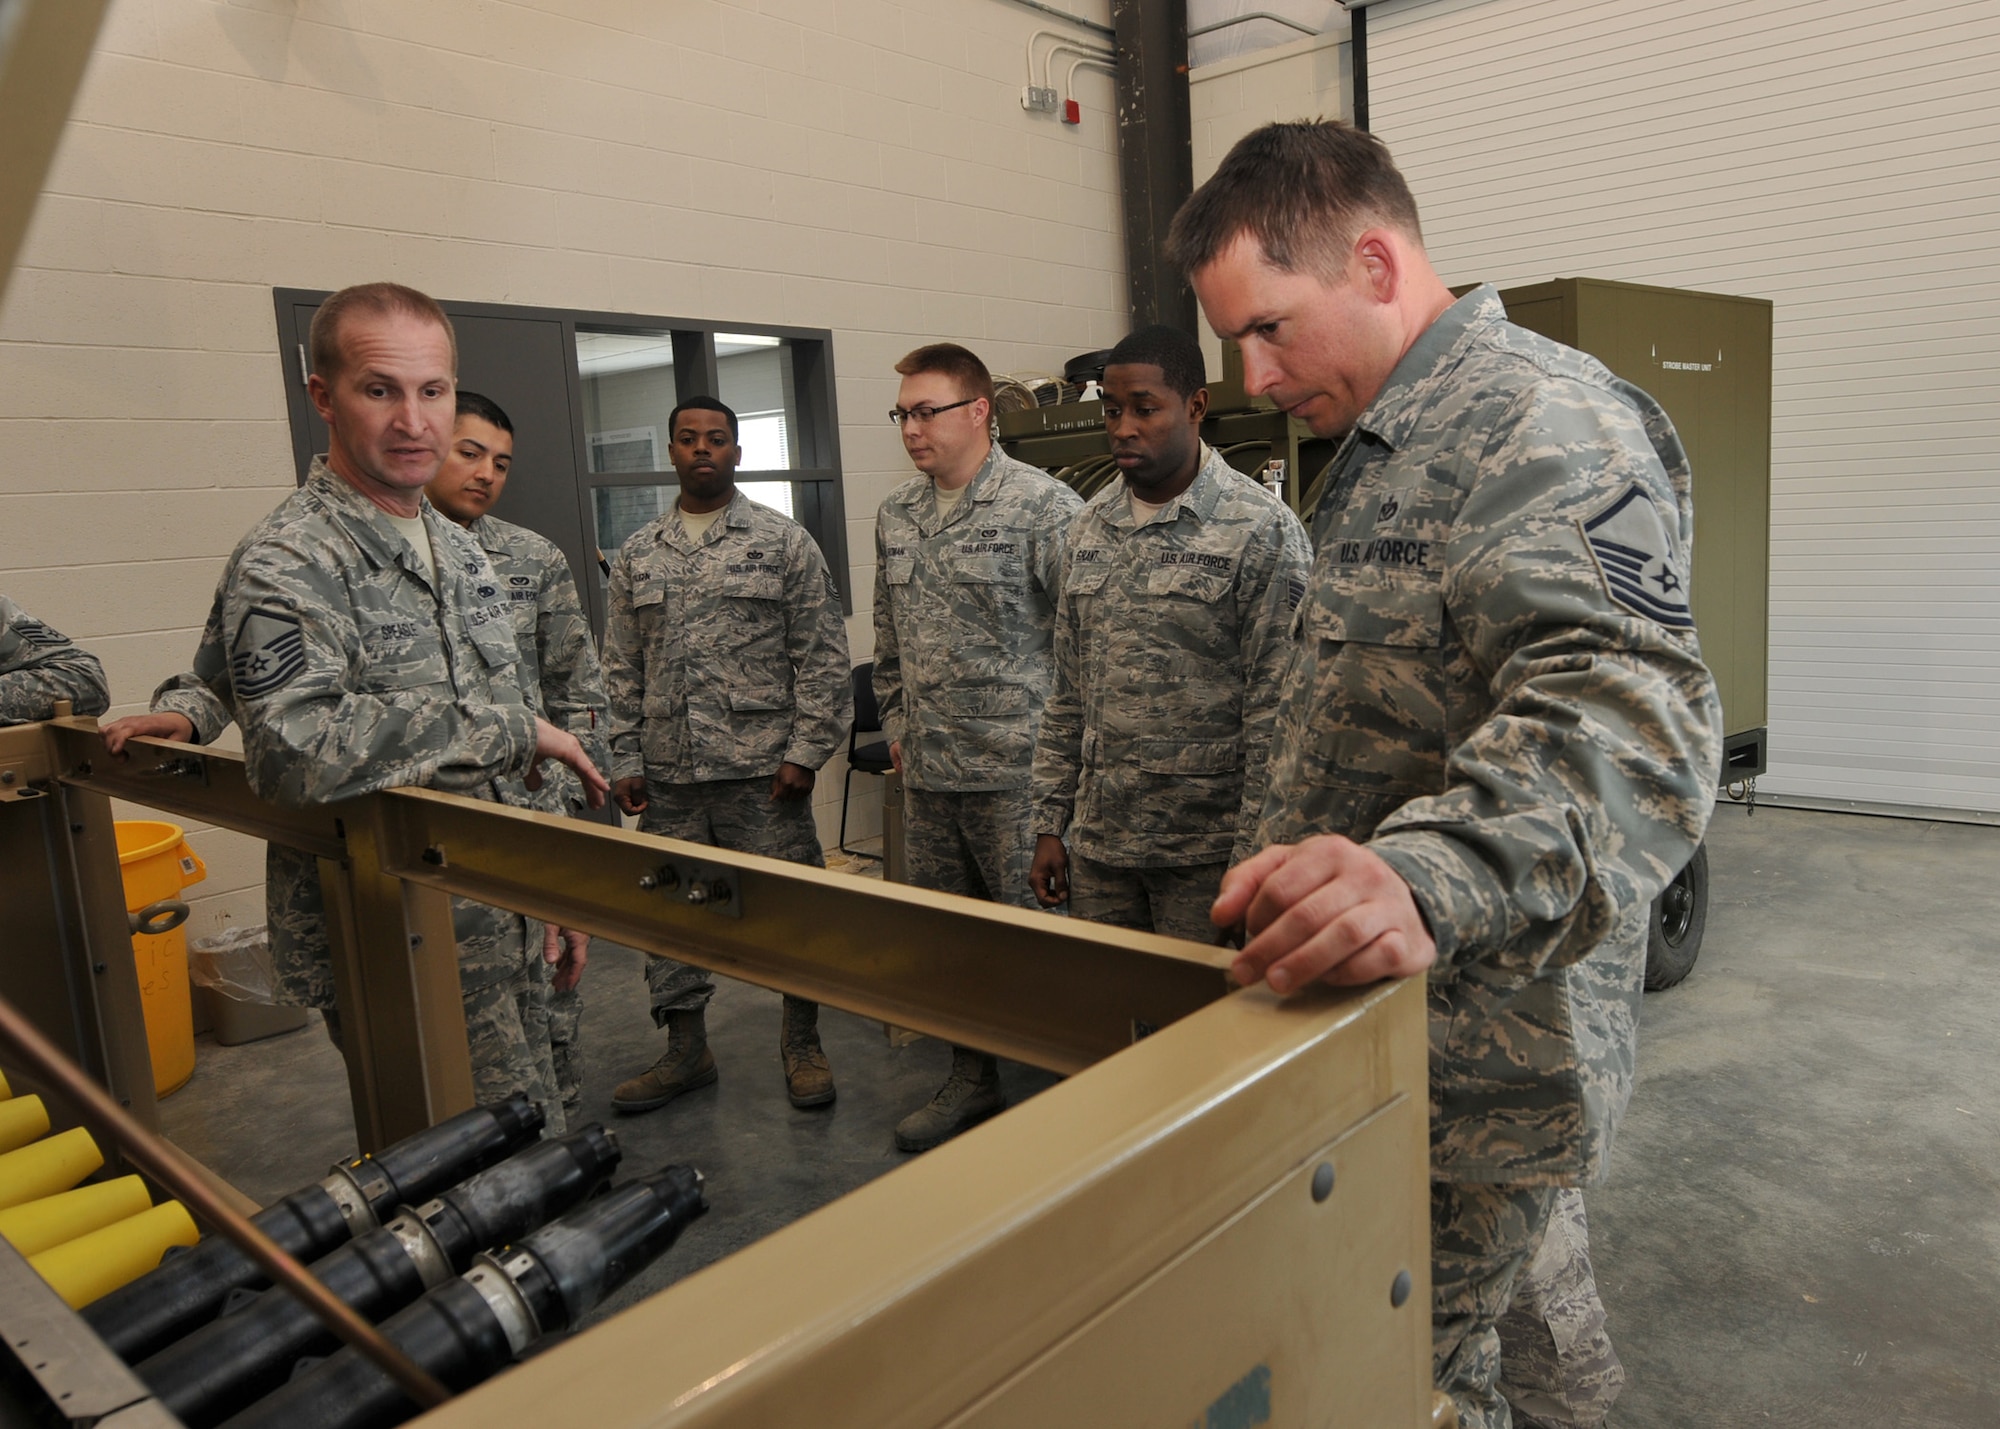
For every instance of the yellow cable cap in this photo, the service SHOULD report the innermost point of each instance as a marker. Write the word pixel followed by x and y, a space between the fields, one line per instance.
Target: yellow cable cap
pixel 35 1226
pixel 42 1168
pixel 22 1120
pixel 94 1265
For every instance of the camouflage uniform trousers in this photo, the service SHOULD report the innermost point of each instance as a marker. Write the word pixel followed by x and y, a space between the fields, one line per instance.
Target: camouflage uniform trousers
pixel 566 1043
pixel 1483 1237
pixel 1558 1367
pixel 502 979
pixel 975 844
pixel 1170 901
pixel 737 814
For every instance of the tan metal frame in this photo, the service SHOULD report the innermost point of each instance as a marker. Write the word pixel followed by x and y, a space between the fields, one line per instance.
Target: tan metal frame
pixel 1141 1244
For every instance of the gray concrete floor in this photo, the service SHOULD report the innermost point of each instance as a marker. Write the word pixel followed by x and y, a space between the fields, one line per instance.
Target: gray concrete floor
pixel 1803 1221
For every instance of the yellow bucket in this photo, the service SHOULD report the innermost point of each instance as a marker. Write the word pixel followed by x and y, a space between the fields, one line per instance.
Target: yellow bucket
pixel 157 864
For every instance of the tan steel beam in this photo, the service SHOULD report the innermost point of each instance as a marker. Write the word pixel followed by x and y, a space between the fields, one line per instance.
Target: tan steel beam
pixel 1129 1247
pixel 1057 993
pixel 207 785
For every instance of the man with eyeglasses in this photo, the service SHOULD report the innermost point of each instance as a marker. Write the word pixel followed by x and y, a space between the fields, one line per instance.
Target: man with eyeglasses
pixel 725 656
pixel 968 555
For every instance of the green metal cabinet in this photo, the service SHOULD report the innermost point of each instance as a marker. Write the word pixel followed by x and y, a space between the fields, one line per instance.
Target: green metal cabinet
pixel 1707 358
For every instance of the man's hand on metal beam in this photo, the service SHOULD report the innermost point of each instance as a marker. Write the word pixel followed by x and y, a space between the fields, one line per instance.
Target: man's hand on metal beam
pixel 1325 909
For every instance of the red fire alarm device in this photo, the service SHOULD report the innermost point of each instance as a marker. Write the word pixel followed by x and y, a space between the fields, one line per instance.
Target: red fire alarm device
pixel 1072 112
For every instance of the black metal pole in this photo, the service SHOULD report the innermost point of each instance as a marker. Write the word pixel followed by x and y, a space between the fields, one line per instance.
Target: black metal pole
pixel 1155 152
pixel 1357 49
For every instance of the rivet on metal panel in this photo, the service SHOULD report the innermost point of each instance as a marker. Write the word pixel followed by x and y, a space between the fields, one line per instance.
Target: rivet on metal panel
pixel 97 967
pixel 416 940
pixel 1322 1180
pixel 1399 1291
pixel 697 893
pixel 435 855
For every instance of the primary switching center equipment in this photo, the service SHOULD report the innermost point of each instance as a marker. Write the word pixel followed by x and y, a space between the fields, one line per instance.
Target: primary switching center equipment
pixel 1705 356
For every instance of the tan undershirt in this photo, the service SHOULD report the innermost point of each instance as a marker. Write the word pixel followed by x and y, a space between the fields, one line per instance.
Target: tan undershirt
pixel 419 537
pixel 1143 511
pixel 698 522
pixel 947 501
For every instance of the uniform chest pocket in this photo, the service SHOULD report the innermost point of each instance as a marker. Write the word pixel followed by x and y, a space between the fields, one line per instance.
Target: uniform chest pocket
pixel 1193 578
pixel 986 570
pixel 492 630
pixel 400 653
pixel 1086 577
pixel 649 588
pixel 898 570
pixel 1376 719
pixel 753 583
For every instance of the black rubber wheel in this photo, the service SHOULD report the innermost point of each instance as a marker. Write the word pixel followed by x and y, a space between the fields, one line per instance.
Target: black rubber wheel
pixel 1679 918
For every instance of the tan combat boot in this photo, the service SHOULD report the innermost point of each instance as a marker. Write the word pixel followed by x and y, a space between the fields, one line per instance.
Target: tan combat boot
pixel 808 1078
pixel 969 1095
pixel 686 1065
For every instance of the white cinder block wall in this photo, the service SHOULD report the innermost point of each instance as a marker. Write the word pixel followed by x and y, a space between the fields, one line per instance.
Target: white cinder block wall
pixel 859 165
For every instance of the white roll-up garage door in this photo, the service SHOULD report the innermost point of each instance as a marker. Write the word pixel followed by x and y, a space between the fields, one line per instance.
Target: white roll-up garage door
pixel 1844 162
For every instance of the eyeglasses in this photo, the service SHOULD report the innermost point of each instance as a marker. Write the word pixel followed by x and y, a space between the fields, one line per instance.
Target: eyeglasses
pixel 924 416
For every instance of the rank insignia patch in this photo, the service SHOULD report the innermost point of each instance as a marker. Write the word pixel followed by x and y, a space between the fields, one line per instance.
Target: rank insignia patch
pixel 269 650
pixel 36 632
pixel 1637 560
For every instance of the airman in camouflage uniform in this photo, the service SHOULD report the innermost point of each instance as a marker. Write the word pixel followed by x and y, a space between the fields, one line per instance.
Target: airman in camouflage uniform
pixel 560 680
pixel 1498 711
pixel 1171 639
pixel 354 662
pixel 1558 1366
pixel 40 665
pixel 968 559
pixel 294 914
pixel 725 657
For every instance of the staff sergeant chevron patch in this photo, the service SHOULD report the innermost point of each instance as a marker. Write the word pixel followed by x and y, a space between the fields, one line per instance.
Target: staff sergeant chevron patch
pixel 1637 559
pixel 269 650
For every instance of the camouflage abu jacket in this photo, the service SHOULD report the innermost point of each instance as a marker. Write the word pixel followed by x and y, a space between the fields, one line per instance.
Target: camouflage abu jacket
pixel 560 677
pixel 544 634
pixel 1171 640
pixel 1498 687
pixel 965 611
pixel 40 665
pixel 725 657
pixel 349 674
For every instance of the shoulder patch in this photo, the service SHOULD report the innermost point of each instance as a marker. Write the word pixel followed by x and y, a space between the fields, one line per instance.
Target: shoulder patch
pixel 1637 559
pixel 39 632
pixel 269 650
pixel 1295 592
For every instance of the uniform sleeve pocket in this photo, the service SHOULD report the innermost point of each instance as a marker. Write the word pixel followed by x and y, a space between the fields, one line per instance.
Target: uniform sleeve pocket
pixel 1208 756
pixel 762 697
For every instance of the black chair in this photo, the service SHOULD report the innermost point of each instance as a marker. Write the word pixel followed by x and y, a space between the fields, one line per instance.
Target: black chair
pixel 868 758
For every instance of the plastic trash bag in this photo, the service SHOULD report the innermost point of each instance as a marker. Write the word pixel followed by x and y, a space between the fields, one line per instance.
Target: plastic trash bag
pixel 235 963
